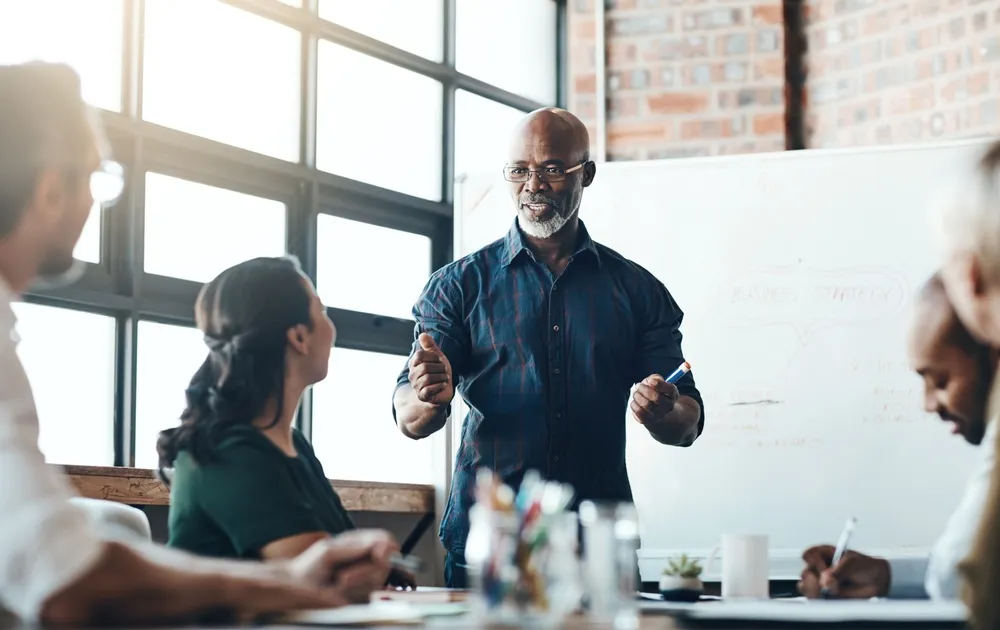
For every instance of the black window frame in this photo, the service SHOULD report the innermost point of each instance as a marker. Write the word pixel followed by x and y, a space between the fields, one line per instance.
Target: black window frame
pixel 119 287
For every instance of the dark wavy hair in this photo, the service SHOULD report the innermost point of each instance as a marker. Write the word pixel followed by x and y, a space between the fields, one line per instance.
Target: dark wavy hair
pixel 245 314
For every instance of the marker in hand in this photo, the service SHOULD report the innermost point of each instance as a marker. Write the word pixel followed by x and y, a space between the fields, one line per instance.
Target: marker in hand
pixel 838 552
pixel 677 374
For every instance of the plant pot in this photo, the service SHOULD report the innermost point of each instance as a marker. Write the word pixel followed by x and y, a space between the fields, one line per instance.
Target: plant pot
pixel 674 588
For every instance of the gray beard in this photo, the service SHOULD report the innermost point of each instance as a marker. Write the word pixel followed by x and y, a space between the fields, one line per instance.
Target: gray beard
pixel 547 228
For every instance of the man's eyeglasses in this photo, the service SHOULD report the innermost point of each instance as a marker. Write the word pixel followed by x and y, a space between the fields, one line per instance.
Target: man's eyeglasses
pixel 107 182
pixel 521 174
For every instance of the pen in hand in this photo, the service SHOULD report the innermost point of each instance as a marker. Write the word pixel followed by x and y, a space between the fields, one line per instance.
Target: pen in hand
pixel 838 552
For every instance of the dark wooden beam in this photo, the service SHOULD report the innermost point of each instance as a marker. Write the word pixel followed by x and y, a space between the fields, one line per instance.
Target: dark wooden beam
pixel 796 48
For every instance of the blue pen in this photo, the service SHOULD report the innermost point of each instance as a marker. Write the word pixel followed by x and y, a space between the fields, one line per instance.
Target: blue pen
pixel 683 369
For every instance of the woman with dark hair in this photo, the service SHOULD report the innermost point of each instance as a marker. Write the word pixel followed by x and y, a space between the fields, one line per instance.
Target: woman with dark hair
pixel 245 483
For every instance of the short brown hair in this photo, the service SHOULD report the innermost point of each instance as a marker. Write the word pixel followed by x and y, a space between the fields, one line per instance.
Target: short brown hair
pixel 43 120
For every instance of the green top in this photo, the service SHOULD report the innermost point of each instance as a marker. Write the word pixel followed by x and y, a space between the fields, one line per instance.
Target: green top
pixel 250 494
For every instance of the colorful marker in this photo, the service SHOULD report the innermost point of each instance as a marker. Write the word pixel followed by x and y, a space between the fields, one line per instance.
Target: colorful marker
pixel 683 369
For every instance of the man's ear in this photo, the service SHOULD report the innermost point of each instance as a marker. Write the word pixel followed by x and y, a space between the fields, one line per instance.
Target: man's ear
pixel 974 276
pixel 297 338
pixel 589 172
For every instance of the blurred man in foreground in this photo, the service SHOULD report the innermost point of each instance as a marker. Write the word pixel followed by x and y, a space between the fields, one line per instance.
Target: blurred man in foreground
pixel 54 567
pixel 966 224
pixel 957 372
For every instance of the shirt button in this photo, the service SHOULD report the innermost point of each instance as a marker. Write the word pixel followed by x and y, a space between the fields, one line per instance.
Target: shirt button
pixel 556 328
pixel 555 458
pixel 558 415
pixel 555 371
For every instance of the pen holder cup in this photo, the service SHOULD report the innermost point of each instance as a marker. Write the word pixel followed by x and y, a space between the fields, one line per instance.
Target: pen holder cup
pixel 523 578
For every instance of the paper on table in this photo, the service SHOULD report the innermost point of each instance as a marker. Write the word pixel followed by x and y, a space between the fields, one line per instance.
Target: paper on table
pixel 825 611
pixel 375 613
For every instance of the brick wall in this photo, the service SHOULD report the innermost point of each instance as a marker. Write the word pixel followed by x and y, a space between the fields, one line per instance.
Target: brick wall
pixel 706 77
pixel 892 71
pixel 685 77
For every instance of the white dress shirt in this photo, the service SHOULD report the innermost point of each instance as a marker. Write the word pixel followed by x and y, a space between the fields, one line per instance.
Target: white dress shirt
pixel 45 541
pixel 937 575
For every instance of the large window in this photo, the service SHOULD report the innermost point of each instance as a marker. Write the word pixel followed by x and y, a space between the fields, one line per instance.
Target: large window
pixel 69 357
pixel 194 231
pixel 388 283
pixel 86 35
pixel 250 128
pixel 362 130
pixel 352 408
pixel 168 357
pixel 482 133
pixel 510 44
pixel 222 73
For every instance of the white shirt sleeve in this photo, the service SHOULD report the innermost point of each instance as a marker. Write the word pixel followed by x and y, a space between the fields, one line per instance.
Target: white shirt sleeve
pixel 942 580
pixel 907 577
pixel 45 541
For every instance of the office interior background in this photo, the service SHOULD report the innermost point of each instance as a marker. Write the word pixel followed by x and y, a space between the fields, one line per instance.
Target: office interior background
pixel 334 130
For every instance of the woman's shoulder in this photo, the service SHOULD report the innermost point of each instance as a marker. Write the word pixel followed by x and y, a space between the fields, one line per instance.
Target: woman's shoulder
pixel 236 443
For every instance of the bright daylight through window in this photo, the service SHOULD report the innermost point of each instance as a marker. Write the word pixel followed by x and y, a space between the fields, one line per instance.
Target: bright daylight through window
pixel 260 128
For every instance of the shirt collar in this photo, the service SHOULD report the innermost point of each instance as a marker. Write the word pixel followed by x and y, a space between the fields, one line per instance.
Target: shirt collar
pixel 515 246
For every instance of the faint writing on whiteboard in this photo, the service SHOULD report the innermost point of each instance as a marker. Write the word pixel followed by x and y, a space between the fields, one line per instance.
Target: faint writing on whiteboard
pixel 808 300
pixel 894 405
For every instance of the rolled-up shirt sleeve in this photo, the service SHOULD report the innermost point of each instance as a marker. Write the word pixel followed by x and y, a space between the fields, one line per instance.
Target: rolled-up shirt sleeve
pixel 659 345
pixel 438 312
pixel 46 543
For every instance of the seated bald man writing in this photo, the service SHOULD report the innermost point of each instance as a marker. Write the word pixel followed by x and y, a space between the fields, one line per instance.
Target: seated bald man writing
pixel 544 332
pixel 957 372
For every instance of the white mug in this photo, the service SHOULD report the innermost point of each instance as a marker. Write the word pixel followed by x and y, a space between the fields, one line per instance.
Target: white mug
pixel 745 566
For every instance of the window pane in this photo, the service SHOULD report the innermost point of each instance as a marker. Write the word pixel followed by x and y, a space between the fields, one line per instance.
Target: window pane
pixel 224 74
pixel 353 432
pixel 378 123
pixel 69 357
pixel 86 35
pixel 404 264
pixel 509 44
pixel 194 231
pixel 415 25
pixel 88 248
pixel 482 133
pixel 167 358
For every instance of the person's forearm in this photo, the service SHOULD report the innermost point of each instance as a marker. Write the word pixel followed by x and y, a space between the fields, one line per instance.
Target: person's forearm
pixel 680 427
pixel 417 419
pixel 155 584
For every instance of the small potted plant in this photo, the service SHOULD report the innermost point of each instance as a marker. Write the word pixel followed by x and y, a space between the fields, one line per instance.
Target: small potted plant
pixel 681 580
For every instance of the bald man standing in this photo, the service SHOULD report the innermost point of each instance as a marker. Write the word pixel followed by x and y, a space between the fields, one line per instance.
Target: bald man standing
pixel 544 333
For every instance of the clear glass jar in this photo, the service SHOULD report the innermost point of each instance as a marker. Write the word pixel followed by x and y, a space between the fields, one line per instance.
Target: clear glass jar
pixel 516 587
pixel 610 561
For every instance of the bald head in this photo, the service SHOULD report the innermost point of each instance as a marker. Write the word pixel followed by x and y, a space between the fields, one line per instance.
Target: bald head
pixel 548 167
pixel 555 130
pixel 935 318
pixel 956 369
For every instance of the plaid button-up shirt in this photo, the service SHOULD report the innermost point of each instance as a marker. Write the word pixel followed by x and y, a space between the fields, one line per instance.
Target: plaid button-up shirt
pixel 547 364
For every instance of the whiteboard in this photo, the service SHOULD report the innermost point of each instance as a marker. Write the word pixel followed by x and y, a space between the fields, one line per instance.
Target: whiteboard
pixel 795 272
